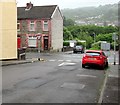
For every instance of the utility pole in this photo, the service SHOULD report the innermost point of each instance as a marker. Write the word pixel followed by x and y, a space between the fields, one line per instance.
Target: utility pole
pixel 39 51
pixel 94 36
pixel 114 38
pixel 39 38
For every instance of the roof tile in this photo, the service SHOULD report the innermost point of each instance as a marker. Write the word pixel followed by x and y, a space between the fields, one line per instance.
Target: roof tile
pixel 36 12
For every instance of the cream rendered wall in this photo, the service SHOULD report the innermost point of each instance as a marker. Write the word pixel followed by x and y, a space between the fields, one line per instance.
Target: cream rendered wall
pixel 0 30
pixel 8 29
pixel 57 30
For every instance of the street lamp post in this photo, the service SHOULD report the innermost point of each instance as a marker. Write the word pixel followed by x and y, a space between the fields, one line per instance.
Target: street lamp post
pixel 94 37
pixel 39 38
pixel 114 38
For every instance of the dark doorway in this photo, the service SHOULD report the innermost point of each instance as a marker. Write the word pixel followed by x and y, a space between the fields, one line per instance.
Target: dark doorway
pixel 45 43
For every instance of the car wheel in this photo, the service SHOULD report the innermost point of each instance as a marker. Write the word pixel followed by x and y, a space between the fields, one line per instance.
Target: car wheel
pixel 102 67
pixel 74 51
pixel 83 66
pixel 106 64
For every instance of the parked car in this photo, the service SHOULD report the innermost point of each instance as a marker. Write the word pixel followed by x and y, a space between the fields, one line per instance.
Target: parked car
pixel 95 57
pixel 78 48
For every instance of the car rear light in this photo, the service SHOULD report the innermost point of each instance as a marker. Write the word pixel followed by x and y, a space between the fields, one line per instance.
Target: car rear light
pixel 99 57
pixel 84 55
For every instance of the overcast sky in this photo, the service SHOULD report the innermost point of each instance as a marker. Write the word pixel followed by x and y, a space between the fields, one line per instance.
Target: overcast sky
pixel 67 3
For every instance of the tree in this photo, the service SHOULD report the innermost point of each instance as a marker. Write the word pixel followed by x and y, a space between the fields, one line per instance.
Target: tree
pixel 86 33
pixel 67 34
pixel 68 22
pixel 104 37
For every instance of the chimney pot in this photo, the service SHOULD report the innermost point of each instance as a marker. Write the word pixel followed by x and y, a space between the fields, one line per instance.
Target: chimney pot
pixel 29 5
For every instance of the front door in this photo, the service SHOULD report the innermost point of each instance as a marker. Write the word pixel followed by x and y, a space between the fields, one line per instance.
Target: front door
pixel 45 43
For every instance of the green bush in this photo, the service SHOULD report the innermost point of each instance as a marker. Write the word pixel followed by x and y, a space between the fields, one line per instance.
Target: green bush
pixel 95 46
pixel 80 43
pixel 66 43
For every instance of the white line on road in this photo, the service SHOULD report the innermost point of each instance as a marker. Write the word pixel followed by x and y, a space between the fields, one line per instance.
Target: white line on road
pixel 86 76
pixel 60 60
pixel 103 88
pixel 61 64
pixel 66 63
pixel 116 76
pixel 68 60
pixel 52 60
pixel 73 86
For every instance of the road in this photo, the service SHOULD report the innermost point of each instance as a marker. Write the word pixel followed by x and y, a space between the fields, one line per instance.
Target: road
pixel 58 79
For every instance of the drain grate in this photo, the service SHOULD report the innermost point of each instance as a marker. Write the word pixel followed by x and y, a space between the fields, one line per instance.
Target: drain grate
pixel 73 86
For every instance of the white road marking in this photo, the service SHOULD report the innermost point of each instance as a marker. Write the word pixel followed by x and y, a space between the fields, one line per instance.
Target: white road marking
pixel 69 63
pixel 72 85
pixel 61 64
pixel 52 60
pixel 86 76
pixel 116 76
pixel 60 60
pixel 68 60
pixel 66 63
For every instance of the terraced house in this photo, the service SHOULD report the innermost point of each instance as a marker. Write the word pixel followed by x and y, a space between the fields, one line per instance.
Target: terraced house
pixel 40 26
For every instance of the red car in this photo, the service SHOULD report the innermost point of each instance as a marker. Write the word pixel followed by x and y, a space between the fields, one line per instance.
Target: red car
pixel 95 57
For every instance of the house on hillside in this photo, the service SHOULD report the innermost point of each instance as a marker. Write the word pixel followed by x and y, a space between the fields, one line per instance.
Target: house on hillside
pixel 8 29
pixel 40 27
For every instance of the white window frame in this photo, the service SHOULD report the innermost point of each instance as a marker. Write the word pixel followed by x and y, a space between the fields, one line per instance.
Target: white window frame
pixel 45 28
pixel 32 28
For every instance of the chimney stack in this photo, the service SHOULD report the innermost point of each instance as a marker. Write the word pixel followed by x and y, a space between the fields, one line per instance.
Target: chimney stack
pixel 29 6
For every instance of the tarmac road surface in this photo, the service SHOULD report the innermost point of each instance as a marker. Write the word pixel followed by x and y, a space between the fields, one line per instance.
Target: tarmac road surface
pixel 58 79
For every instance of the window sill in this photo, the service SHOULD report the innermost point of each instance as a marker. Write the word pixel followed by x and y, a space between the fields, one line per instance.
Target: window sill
pixel 32 30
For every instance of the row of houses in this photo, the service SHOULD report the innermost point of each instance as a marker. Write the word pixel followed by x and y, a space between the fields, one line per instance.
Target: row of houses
pixel 34 26
pixel 44 23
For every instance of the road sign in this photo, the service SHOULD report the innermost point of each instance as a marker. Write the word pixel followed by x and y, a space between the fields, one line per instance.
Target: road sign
pixel 105 46
pixel 114 37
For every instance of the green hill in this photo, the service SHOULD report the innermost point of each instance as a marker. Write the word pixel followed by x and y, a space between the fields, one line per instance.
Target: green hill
pixel 101 13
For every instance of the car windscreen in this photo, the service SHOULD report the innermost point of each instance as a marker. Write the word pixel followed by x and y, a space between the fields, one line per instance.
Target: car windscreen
pixel 79 47
pixel 92 53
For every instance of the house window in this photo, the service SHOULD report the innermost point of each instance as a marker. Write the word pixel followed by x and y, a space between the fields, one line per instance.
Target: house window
pixel 32 40
pixel 18 26
pixel 32 26
pixel 45 26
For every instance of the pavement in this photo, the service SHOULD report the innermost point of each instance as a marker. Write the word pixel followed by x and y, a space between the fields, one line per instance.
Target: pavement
pixel 109 92
pixel 111 86
pixel 15 62
pixel 30 58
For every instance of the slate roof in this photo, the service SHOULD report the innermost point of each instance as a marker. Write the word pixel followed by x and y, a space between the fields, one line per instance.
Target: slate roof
pixel 36 12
